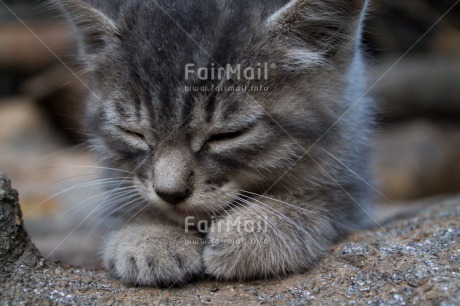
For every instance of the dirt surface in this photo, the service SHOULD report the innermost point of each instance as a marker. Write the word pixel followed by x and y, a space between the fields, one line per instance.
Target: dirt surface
pixel 415 261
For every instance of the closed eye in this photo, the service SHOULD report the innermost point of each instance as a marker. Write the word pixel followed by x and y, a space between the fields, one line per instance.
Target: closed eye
pixel 131 133
pixel 225 136
pixel 228 135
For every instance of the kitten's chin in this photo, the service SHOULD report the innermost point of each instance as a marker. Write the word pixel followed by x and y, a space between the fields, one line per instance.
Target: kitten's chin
pixel 183 216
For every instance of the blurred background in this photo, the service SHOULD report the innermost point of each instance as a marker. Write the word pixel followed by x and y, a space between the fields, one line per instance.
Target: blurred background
pixel 413 49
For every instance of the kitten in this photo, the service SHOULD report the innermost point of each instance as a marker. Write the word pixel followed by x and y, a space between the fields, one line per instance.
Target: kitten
pixel 241 125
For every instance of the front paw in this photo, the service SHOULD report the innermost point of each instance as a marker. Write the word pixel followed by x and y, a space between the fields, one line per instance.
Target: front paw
pixel 238 251
pixel 151 255
pixel 251 245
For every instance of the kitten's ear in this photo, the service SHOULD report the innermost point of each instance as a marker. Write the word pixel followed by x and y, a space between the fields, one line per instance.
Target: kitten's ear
pixel 325 26
pixel 93 27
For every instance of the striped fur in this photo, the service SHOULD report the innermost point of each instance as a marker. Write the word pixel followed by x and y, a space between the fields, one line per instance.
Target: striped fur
pixel 282 155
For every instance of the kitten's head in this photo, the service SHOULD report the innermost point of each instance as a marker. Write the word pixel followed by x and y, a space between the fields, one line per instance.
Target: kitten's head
pixel 189 139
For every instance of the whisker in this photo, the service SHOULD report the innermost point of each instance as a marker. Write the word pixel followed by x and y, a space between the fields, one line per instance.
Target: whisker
pixel 283 245
pixel 308 211
pixel 356 174
pixel 131 198
pixel 119 192
pixel 79 148
pixel 255 235
pixel 141 202
pixel 71 233
pixel 78 226
pixel 283 217
pixel 351 197
pixel 83 167
pixel 267 220
pixel 62 180
pixel 137 213
pixel 92 183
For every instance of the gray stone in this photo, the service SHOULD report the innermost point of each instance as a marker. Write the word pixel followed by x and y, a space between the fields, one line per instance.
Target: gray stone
pixel 16 250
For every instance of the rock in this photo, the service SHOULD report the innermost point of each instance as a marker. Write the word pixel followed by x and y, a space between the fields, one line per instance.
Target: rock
pixel 408 261
pixel 17 253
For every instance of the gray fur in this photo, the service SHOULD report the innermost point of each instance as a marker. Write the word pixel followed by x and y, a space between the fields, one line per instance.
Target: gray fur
pixel 225 154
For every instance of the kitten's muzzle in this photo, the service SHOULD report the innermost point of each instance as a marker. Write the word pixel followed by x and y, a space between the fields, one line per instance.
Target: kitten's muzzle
pixel 173 174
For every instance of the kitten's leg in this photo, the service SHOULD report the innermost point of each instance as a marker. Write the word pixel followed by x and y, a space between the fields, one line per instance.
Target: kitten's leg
pixel 153 255
pixel 283 239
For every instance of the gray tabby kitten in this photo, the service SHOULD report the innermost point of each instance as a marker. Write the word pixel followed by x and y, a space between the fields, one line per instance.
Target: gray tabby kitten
pixel 236 184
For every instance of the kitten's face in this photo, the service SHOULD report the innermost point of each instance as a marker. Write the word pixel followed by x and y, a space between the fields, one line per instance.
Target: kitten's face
pixel 192 152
